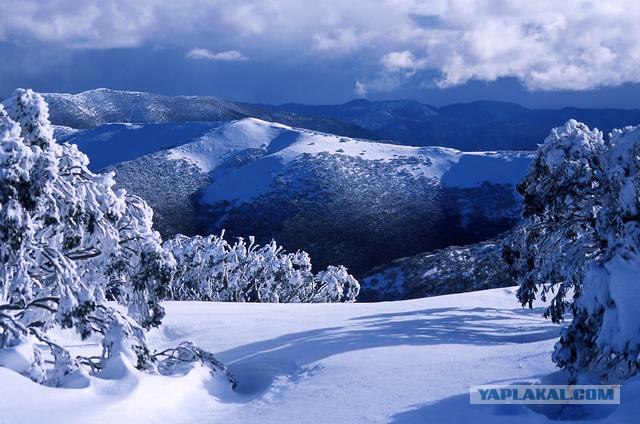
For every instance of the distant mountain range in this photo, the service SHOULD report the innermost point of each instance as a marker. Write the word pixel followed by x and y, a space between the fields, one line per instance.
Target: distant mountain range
pixel 102 106
pixel 480 125
pixel 360 184
pixel 476 126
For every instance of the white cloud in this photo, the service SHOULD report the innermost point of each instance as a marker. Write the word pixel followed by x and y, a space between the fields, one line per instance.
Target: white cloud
pixel 383 82
pixel 360 89
pixel 340 40
pixel 546 44
pixel 403 61
pixel 227 56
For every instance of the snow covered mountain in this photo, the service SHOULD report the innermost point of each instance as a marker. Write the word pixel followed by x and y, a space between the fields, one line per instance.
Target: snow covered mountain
pixel 481 125
pixel 102 106
pixel 347 201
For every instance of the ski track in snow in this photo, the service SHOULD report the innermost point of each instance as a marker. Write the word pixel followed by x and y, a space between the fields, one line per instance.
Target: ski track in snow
pixel 403 362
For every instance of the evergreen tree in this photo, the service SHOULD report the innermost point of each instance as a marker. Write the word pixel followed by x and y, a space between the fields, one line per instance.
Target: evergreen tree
pixel 580 246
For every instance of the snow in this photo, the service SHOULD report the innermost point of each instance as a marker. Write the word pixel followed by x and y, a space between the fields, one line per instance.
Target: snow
pixel 118 142
pixel 283 144
pixel 621 324
pixel 405 362
pixel 211 149
pixel 63 133
pixel 474 168
pixel 134 396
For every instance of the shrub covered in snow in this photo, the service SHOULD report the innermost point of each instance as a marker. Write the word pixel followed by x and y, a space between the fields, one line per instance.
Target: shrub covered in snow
pixel 66 237
pixel 581 246
pixel 209 268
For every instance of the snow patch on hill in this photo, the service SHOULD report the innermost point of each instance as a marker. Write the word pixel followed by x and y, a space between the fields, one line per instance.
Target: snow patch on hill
pixel 209 144
pixel 210 150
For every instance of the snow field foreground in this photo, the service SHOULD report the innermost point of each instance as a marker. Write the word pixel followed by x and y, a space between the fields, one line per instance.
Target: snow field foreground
pixel 404 362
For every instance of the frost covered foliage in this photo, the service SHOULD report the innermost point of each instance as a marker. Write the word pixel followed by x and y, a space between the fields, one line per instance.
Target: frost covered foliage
pixel 581 246
pixel 209 268
pixel 66 238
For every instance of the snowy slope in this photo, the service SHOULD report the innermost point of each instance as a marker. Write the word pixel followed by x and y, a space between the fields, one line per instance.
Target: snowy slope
pixel 211 150
pixel 114 143
pixel 400 362
pixel 283 145
pixel 350 201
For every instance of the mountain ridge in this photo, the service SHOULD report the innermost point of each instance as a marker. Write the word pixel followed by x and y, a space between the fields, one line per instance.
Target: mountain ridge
pixel 369 202
pixel 474 126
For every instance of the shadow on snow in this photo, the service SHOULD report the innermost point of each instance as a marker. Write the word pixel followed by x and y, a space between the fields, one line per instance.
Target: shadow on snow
pixel 258 364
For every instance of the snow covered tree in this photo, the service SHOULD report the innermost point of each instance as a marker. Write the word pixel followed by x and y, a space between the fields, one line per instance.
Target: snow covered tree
pixel 209 268
pixel 580 246
pixel 336 284
pixel 200 272
pixel 66 238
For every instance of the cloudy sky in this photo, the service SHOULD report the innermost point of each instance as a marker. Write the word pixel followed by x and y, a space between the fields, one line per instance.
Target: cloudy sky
pixel 542 53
